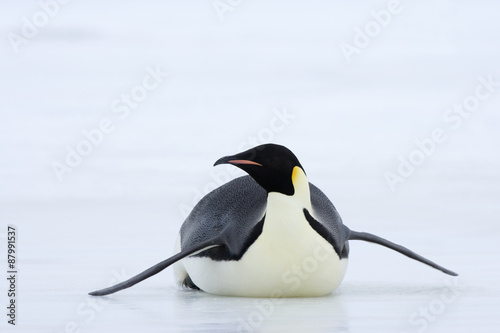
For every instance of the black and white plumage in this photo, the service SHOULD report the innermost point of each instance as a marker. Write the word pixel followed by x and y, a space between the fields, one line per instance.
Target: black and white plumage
pixel 269 234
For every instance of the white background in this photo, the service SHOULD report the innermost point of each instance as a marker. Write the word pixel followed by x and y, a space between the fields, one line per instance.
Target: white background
pixel 352 118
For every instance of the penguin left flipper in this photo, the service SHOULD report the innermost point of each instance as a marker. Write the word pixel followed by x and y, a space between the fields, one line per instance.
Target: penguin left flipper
pixel 214 242
pixel 367 237
pixel 210 229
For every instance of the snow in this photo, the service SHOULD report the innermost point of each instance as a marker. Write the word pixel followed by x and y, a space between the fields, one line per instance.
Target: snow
pixel 266 72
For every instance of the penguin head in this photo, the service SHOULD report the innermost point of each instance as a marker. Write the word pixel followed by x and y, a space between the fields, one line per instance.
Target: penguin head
pixel 272 166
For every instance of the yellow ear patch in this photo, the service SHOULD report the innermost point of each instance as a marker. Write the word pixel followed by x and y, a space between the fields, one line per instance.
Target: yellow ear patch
pixel 295 175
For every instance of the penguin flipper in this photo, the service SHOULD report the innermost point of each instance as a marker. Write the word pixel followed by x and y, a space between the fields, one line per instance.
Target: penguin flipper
pixel 367 237
pixel 158 267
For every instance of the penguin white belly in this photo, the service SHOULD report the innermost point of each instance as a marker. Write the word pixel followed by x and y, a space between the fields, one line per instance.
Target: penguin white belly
pixel 288 259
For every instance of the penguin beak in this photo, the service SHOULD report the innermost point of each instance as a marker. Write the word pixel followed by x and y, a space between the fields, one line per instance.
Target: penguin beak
pixel 235 161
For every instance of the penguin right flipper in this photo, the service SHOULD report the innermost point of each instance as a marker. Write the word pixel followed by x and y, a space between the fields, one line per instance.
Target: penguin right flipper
pixel 214 242
pixel 367 237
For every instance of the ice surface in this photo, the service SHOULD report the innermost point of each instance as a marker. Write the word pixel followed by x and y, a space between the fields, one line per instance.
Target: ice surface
pixel 231 85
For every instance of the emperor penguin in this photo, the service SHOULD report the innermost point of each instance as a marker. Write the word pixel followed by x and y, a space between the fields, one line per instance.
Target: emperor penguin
pixel 268 234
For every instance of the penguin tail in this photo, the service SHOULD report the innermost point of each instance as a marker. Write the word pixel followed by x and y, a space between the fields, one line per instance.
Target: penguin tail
pixel 367 237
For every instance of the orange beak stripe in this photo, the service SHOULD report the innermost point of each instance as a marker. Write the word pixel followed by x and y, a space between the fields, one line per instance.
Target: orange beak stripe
pixel 244 162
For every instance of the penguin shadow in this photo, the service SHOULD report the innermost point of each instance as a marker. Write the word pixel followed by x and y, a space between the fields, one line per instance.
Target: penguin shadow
pixel 248 314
